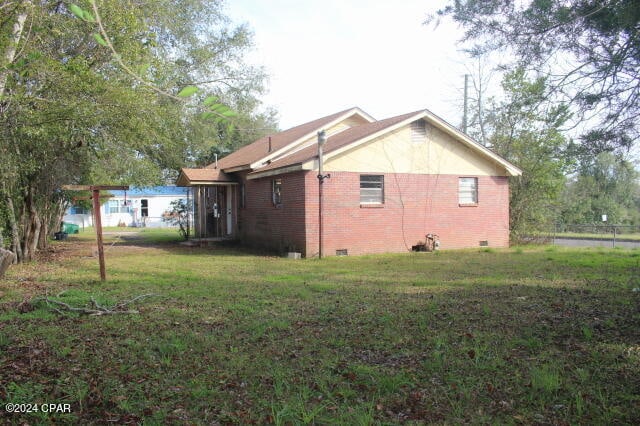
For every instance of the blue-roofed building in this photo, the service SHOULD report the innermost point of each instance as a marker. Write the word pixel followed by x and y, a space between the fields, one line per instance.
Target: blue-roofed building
pixel 134 207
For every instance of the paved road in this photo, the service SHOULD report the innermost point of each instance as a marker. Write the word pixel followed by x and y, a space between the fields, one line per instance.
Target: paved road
pixel 592 242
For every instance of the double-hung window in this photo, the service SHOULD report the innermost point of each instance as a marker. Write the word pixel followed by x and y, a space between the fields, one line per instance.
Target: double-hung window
pixel 468 191
pixel 116 206
pixel 371 189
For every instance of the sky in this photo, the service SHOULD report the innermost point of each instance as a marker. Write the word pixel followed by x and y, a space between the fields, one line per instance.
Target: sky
pixel 324 56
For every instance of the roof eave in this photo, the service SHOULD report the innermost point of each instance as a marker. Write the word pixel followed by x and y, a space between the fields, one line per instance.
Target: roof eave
pixel 510 168
pixel 261 162
pixel 368 138
pixel 183 180
pixel 212 183
pixel 236 168
pixel 274 172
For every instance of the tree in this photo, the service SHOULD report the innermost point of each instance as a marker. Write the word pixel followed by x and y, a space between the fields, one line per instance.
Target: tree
pixel 525 130
pixel 76 111
pixel 480 77
pixel 179 216
pixel 589 51
pixel 604 185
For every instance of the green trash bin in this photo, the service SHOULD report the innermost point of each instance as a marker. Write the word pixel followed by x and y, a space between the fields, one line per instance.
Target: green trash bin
pixel 70 228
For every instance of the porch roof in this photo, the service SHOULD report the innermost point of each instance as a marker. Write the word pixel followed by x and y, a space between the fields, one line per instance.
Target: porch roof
pixel 193 177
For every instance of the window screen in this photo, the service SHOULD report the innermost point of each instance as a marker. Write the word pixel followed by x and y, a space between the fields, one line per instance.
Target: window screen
pixel 468 190
pixel 371 189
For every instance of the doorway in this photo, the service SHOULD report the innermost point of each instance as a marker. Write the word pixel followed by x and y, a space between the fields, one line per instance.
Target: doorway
pixel 213 211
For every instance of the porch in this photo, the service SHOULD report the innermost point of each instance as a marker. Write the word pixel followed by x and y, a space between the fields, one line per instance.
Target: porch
pixel 215 195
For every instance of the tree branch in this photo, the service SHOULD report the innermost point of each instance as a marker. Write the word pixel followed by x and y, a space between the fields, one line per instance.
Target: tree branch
pixel 95 309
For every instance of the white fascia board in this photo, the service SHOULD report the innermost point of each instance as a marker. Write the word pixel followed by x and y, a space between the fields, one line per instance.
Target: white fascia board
pixel 312 163
pixel 434 120
pixel 451 130
pixel 274 172
pixel 284 149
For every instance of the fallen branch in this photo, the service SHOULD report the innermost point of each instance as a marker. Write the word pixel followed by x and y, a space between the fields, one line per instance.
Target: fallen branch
pixel 95 309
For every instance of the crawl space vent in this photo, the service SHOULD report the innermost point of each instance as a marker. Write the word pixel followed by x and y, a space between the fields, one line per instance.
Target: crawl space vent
pixel 484 243
pixel 342 252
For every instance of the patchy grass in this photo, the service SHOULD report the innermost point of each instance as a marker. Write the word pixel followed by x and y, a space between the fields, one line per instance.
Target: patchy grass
pixel 521 336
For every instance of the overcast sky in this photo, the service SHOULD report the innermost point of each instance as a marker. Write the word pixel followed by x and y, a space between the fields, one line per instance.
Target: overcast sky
pixel 324 56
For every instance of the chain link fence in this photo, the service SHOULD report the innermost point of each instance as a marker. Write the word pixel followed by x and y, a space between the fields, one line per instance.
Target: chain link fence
pixel 597 235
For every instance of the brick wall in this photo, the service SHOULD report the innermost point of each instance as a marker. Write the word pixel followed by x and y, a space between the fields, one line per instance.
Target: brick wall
pixel 414 206
pixel 263 224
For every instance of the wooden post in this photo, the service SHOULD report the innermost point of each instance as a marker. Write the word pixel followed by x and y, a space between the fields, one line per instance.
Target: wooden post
pixel 95 191
pixel 98 225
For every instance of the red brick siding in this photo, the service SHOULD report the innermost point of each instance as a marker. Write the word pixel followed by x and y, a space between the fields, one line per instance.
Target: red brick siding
pixel 280 228
pixel 414 206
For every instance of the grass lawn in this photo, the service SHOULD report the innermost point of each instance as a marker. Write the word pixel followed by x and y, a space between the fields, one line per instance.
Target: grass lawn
pixel 535 335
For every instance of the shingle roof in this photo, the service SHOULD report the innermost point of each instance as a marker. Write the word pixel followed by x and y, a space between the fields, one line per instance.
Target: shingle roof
pixel 260 148
pixel 189 176
pixel 338 141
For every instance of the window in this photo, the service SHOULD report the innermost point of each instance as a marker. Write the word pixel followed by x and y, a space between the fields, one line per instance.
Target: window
pixel 276 191
pixel 113 206
pixel 78 210
pixel 371 189
pixel 117 206
pixel 144 208
pixel 468 190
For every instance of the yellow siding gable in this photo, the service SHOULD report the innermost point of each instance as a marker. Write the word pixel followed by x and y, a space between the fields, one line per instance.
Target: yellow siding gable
pixel 396 152
pixel 352 121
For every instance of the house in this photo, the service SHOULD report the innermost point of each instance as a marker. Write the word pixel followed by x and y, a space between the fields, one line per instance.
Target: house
pixel 134 207
pixel 389 183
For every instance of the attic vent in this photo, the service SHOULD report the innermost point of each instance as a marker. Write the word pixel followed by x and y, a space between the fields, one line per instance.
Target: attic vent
pixel 418 131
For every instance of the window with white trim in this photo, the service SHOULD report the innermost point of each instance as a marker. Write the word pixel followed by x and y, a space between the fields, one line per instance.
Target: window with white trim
pixel 371 189
pixel 117 206
pixel 468 190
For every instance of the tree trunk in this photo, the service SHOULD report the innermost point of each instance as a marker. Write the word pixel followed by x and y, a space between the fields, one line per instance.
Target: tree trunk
pixel 34 236
pixel 32 225
pixel 43 240
pixel 12 45
pixel 6 259
pixel 51 219
pixel 15 230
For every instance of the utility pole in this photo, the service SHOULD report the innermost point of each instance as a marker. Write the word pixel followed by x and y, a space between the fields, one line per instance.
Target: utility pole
pixel 322 138
pixel 466 97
